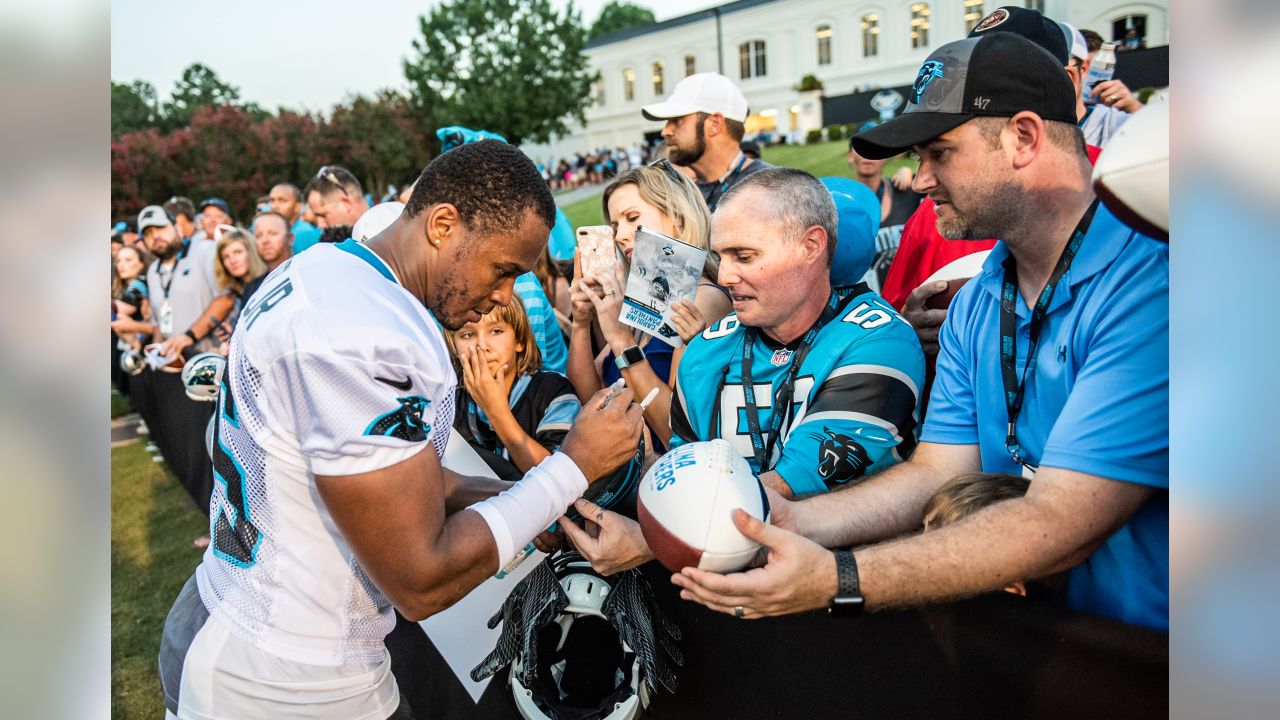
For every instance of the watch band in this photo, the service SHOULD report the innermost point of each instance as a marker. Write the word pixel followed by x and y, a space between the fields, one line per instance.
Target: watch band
pixel 848 601
pixel 631 356
pixel 191 335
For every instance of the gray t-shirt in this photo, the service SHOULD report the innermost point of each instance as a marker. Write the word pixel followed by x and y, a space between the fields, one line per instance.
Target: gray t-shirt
pixel 187 288
pixel 713 191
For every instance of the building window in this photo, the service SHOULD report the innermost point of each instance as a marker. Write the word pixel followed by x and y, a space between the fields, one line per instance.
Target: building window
pixel 870 35
pixel 1130 31
pixel 919 25
pixel 1037 5
pixel 972 14
pixel 599 91
pixel 690 65
pixel 823 35
pixel 751 60
pixel 628 84
pixel 657 79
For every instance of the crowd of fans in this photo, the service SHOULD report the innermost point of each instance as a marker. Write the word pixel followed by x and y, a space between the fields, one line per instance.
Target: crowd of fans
pixel 852 353
pixel 595 167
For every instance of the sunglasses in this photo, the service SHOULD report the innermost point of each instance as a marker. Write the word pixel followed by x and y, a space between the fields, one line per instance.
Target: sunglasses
pixel 665 166
pixel 326 173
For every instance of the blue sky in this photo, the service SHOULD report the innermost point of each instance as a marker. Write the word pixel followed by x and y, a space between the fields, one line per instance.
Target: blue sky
pixel 299 54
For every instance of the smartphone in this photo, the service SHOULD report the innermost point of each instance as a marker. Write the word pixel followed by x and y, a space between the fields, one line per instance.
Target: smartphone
pixel 597 250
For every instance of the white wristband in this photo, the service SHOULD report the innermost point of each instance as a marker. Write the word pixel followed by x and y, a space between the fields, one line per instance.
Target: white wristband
pixel 517 515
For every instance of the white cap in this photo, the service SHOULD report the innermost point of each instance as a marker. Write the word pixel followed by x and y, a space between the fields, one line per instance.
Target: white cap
pixel 153 216
pixel 376 219
pixel 701 92
pixel 1075 41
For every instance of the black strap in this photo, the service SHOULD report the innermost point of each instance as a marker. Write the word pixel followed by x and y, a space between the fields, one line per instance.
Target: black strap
pixel 718 192
pixel 182 252
pixel 762 445
pixel 1015 387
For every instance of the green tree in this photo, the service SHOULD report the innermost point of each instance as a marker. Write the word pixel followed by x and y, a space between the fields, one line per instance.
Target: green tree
pixel 133 107
pixel 198 87
pixel 618 15
pixel 513 67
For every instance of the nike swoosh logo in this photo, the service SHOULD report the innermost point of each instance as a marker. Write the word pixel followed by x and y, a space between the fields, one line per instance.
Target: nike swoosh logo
pixel 402 385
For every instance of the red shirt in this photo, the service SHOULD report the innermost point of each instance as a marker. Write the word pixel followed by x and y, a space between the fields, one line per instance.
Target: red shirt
pixel 922 251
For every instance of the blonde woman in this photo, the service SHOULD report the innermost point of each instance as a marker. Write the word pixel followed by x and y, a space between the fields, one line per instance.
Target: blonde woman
pixel 661 198
pixel 236 264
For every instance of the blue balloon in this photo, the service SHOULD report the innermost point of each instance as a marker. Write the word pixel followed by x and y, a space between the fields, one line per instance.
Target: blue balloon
pixel 455 135
pixel 858 210
pixel 562 241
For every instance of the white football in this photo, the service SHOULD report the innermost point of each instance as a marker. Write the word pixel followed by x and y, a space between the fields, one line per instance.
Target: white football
pixel 1132 173
pixel 686 505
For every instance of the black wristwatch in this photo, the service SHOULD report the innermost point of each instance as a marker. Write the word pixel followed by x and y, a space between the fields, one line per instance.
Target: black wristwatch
pixel 848 601
pixel 631 356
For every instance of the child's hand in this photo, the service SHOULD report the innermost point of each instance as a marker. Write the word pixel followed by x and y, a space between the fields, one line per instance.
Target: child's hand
pixel 485 387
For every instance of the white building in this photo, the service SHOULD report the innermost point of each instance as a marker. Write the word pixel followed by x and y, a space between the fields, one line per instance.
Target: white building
pixel 767 46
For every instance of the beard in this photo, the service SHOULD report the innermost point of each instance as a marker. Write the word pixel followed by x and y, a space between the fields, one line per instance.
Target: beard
pixel 993 211
pixel 689 156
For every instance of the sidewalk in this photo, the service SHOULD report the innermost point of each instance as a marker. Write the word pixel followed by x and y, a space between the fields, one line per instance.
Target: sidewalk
pixel 124 429
pixel 572 196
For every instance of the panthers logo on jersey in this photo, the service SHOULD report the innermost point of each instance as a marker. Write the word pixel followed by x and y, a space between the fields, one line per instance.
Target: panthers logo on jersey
pixel 405 422
pixel 841 458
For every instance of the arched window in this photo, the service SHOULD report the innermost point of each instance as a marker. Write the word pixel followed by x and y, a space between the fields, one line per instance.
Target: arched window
pixel 690 65
pixel 919 25
pixel 599 91
pixel 657 79
pixel 628 84
pixel 751 59
pixel 823 36
pixel 870 35
pixel 972 14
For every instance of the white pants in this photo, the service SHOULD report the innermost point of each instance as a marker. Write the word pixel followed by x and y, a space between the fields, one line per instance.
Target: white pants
pixel 225 678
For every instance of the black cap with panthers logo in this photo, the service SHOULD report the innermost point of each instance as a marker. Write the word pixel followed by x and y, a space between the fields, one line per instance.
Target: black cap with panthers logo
pixel 996 74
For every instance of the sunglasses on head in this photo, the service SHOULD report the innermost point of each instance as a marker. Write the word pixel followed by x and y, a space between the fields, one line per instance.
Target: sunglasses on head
pixel 665 166
pixel 326 173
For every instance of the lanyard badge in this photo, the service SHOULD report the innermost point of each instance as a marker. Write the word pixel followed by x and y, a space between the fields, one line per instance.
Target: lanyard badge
pixel 1015 386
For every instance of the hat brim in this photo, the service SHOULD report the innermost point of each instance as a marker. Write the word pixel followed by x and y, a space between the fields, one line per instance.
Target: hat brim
pixel 666 110
pixel 905 132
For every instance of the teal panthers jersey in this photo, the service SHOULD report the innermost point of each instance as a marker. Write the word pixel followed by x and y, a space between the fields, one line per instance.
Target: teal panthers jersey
pixel 856 404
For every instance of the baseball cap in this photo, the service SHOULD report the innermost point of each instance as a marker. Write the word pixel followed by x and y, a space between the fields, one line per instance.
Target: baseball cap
pixel 1031 25
pixel 994 75
pixel 153 216
pixel 1075 40
pixel 701 92
pixel 216 202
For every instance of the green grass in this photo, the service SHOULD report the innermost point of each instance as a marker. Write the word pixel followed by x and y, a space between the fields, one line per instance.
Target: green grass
pixel 585 211
pixel 119 405
pixel 826 159
pixel 152 525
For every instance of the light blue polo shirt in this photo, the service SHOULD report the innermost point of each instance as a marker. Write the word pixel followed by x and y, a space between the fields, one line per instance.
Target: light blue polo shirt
pixel 1097 400
pixel 304 235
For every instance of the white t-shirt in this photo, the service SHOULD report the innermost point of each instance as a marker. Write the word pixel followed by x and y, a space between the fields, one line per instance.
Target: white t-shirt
pixel 335 369
pixel 1101 123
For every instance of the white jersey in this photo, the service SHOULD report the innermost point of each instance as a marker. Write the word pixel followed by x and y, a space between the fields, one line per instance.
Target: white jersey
pixel 335 369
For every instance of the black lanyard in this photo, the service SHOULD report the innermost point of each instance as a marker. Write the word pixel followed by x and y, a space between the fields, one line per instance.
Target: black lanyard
pixel 182 252
pixel 719 192
pixel 761 445
pixel 1015 387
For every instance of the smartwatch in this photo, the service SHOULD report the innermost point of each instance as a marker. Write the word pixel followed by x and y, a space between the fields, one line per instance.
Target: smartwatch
pixel 631 356
pixel 848 601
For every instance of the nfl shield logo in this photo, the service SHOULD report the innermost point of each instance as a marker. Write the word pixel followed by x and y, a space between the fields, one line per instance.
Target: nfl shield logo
pixel 781 357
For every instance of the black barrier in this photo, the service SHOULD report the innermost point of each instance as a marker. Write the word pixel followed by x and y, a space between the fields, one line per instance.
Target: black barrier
pixel 995 653
pixel 1137 68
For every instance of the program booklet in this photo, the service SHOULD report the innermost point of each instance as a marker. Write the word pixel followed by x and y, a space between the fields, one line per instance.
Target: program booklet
pixel 664 271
